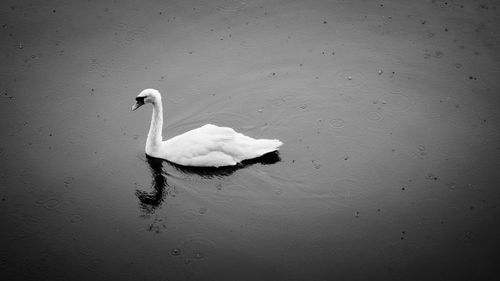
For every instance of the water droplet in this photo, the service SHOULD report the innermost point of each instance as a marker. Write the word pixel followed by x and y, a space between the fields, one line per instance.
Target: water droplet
pixel 349 78
pixel 380 71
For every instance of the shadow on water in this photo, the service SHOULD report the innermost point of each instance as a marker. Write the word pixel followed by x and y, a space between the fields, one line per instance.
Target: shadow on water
pixel 150 201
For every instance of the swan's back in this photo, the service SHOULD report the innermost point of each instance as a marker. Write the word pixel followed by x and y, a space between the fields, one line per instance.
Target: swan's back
pixel 211 145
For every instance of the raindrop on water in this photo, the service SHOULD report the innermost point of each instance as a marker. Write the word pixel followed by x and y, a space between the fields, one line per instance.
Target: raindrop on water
pixel 337 123
pixel 175 252
pixel 374 116
pixel 52 203
pixel 76 218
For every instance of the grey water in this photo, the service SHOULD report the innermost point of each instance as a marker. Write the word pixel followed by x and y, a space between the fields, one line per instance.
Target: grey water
pixel 388 111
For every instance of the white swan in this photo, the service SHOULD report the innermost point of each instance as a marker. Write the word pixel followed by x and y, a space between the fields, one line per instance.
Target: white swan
pixel 207 146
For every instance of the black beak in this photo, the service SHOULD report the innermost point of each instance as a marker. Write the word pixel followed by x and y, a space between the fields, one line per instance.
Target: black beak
pixel 139 101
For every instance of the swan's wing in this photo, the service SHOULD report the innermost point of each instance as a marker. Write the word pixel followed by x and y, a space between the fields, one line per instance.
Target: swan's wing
pixel 211 145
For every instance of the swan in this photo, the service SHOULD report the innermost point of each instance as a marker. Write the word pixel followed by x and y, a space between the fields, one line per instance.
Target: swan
pixel 207 146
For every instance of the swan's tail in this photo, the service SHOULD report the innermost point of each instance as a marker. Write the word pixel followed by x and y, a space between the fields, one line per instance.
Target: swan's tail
pixel 264 146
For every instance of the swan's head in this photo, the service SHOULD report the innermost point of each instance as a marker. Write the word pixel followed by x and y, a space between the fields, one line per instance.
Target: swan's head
pixel 147 96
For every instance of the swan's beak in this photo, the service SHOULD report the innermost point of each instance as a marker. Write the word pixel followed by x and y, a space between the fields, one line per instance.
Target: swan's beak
pixel 137 104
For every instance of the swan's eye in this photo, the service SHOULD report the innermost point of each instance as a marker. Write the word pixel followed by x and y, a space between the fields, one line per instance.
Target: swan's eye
pixel 140 99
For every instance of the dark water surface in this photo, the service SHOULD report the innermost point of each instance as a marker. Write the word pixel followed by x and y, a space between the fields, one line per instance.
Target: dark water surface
pixel 389 111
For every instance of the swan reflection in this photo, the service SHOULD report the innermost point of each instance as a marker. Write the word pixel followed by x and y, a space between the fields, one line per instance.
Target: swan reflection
pixel 152 200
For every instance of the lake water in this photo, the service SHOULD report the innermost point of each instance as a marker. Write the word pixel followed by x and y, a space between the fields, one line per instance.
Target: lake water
pixel 388 111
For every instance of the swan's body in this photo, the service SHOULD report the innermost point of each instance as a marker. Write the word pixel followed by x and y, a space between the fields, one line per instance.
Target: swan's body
pixel 207 146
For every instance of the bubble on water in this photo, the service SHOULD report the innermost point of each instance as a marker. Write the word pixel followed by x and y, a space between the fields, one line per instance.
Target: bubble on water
pixel 337 123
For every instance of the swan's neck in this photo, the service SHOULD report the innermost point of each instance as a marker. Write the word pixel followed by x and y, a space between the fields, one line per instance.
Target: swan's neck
pixel 154 136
